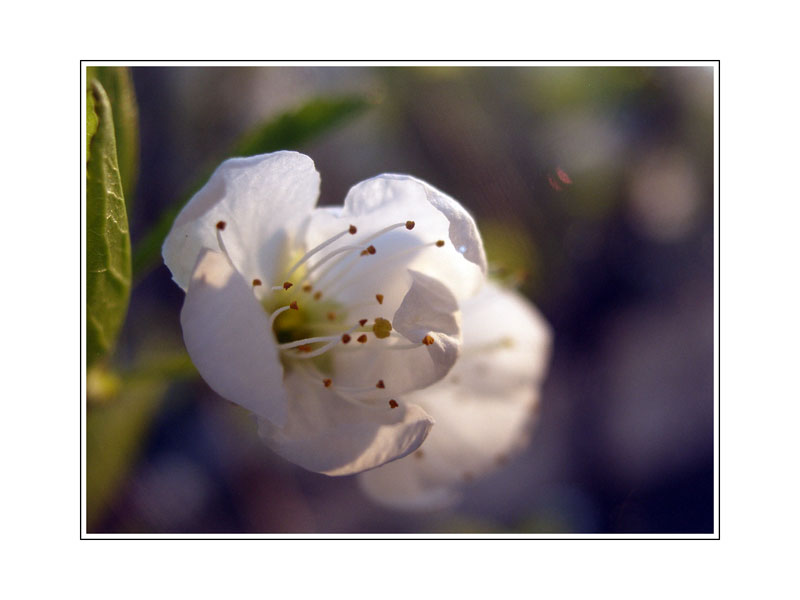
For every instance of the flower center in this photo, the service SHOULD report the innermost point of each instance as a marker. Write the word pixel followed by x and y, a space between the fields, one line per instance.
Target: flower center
pixel 309 320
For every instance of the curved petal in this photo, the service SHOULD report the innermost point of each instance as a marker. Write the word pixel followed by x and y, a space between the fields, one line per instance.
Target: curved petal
pixel 404 364
pixel 395 199
pixel 330 435
pixel 484 408
pixel 262 199
pixel 228 336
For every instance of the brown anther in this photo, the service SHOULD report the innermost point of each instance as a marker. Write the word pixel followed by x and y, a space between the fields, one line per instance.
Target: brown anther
pixel 306 287
pixel 419 454
pixel 327 382
pixel 317 295
pixel 293 305
pixel 362 322
pixel 362 339
pixel 256 282
pixel 371 249
pixel 304 348
pixel 221 225
pixel 352 230
pixel 379 298
pixel 363 253
pixel 331 316
pixel 393 404
pixel 346 338
pixel 380 384
pixel 410 225
pixel 427 340
pixel 287 285
pixel 440 243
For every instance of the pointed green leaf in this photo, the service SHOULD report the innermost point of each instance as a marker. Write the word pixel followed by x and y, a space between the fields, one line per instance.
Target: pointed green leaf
pixel 108 252
pixel 118 84
pixel 288 131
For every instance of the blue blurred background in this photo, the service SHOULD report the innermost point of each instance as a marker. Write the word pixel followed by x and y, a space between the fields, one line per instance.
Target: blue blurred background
pixel 593 187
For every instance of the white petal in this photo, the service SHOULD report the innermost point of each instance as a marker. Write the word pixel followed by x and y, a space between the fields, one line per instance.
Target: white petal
pixel 228 336
pixel 262 199
pixel 483 409
pixel 330 435
pixel 428 308
pixel 388 199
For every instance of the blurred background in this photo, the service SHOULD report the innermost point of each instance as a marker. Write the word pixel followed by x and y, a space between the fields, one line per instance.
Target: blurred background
pixel 593 188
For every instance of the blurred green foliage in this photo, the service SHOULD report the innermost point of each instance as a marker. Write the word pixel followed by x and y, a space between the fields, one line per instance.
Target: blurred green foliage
pixel 287 131
pixel 108 250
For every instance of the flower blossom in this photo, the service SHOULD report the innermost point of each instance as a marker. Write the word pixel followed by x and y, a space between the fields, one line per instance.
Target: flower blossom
pixel 321 320
pixel 484 408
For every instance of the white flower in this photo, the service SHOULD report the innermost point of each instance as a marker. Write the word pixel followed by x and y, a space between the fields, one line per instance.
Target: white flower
pixel 318 319
pixel 483 409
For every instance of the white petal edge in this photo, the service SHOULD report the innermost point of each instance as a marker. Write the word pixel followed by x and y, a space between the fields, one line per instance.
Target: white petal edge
pixel 262 200
pixel 330 435
pixel 428 308
pixel 228 337
pixel 481 419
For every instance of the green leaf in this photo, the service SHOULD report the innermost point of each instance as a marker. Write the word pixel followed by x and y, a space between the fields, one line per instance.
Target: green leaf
pixel 292 129
pixel 118 84
pixel 91 122
pixel 288 131
pixel 108 251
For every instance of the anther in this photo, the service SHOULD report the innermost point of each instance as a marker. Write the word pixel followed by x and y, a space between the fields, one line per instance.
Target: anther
pixel 304 348
pixel 345 338
pixel 327 382
pixel 362 339
pixel 362 322
pixel 379 298
pixel 287 285
pixel 380 384
pixel 371 249
pixel 440 243
pixel 221 225
pixel 307 287
pixel 256 282
pixel 393 404
pixel 293 305
pixel 352 230
pixel 410 225
pixel 317 295
pixel 419 454
pixel 427 340
pixel 331 316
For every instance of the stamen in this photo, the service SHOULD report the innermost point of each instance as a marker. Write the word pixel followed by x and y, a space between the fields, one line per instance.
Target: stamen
pixel 287 285
pixel 362 339
pixel 293 305
pixel 317 295
pixel 274 315
pixel 440 243
pixel 307 287
pixel 380 384
pixel 393 404
pixel 346 338
pixel 351 230
pixel 327 382
pixel 379 298
pixel 410 225
pixel 256 282
pixel 221 225
pixel 427 340
pixel 331 316
pixel 331 339
pixel 362 322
